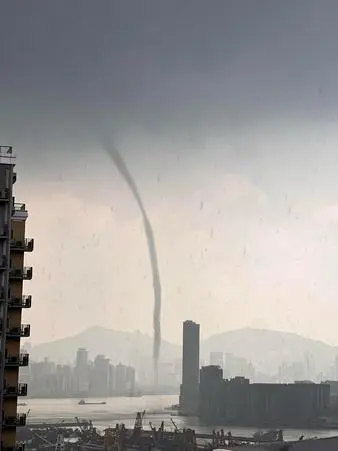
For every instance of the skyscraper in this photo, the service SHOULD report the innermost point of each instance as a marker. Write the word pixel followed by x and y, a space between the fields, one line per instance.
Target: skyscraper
pixel 81 358
pixel 12 275
pixel 82 372
pixel 189 392
pixel 100 376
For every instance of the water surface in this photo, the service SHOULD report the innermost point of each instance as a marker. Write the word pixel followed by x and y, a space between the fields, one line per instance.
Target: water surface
pixel 124 410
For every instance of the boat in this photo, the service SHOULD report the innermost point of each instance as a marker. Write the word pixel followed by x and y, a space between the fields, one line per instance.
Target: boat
pixel 82 402
pixel 268 436
pixel 22 404
pixel 173 407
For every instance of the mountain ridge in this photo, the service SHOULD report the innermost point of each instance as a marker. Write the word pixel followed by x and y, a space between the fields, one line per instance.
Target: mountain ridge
pixel 265 348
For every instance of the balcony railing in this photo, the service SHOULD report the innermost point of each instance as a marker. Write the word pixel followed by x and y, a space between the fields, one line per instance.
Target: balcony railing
pixel 19 211
pixel 18 206
pixel 19 390
pixel 22 389
pixel 15 420
pixel 20 302
pixel 21 274
pixel 6 155
pixel 26 245
pixel 6 150
pixel 23 331
pixel 17 360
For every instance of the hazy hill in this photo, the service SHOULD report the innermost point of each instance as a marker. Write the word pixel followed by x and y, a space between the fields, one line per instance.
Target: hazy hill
pixel 124 347
pixel 265 348
pixel 268 348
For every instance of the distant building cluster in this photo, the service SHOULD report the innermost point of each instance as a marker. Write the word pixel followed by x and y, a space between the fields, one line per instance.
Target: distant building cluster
pixel 287 372
pixel 98 378
pixel 234 366
pixel 206 393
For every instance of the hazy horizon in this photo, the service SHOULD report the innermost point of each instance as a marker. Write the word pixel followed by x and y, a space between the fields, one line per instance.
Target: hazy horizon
pixel 179 342
pixel 226 113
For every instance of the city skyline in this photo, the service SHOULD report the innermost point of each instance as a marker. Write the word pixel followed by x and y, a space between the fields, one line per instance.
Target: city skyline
pixel 83 378
pixel 135 348
pixel 307 367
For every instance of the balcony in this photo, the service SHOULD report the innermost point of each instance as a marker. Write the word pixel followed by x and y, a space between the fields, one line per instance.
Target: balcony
pixel 6 155
pixel 6 150
pixel 15 420
pixel 21 274
pixel 19 211
pixel 19 390
pixel 17 360
pixel 24 331
pixel 18 206
pixel 20 302
pixel 26 245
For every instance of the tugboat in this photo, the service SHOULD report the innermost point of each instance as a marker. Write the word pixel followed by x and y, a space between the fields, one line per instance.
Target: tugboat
pixel 82 402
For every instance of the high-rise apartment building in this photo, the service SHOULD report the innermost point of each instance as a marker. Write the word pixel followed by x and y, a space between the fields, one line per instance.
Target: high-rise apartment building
pixel 81 358
pixel 100 376
pixel 189 393
pixel 82 372
pixel 13 273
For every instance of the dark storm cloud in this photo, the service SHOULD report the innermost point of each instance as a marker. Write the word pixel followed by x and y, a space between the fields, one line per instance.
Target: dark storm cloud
pixel 168 66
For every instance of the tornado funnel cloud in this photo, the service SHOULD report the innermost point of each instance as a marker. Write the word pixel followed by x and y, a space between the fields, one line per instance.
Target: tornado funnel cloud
pixel 123 169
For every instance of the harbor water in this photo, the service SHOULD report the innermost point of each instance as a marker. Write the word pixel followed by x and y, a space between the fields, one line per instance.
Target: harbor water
pixel 123 409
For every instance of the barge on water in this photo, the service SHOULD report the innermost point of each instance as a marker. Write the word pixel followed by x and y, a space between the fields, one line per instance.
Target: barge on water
pixel 82 402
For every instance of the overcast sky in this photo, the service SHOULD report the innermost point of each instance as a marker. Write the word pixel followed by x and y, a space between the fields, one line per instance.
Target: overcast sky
pixel 226 112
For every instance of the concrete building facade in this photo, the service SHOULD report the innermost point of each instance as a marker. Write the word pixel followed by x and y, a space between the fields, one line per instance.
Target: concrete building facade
pixel 210 390
pixel 237 401
pixel 13 245
pixel 100 376
pixel 82 372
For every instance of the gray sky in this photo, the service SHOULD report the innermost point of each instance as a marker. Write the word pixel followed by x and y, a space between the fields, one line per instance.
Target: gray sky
pixel 225 111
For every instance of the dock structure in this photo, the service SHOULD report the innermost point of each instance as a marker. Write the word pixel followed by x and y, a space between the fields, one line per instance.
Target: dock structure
pixel 60 425
pixel 81 435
